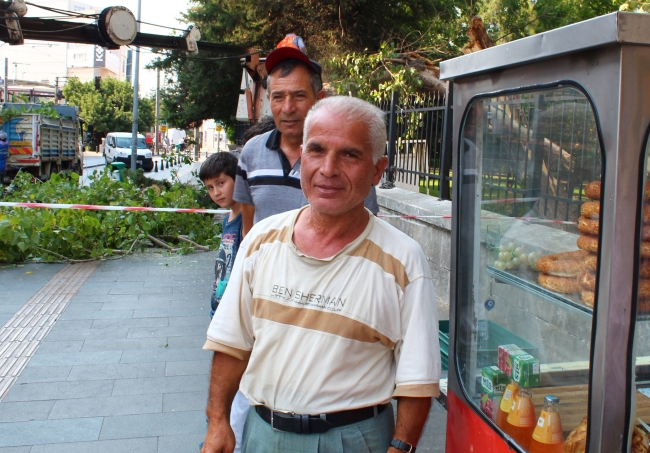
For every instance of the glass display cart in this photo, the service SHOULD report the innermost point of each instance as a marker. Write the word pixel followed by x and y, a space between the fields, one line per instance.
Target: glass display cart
pixel 550 266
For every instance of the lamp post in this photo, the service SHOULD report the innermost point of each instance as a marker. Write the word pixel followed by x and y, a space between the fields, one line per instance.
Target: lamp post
pixel 136 73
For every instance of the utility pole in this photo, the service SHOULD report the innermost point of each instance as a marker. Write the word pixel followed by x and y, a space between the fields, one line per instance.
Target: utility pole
pixel 134 140
pixel 6 89
pixel 56 91
pixel 157 143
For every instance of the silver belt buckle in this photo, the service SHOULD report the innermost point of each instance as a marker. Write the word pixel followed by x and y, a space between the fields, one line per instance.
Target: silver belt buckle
pixel 279 412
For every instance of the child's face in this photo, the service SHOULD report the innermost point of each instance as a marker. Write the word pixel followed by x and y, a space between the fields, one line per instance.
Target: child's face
pixel 221 189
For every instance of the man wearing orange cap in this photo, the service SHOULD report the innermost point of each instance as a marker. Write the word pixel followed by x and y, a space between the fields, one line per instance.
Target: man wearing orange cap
pixel 268 176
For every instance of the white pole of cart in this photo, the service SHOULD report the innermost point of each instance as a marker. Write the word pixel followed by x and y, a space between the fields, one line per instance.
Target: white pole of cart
pixel 157 144
pixel 136 74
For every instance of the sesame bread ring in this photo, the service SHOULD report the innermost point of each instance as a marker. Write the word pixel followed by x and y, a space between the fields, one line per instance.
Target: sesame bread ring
pixel 588 226
pixel 592 190
pixel 646 191
pixel 567 264
pixel 645 249
pixel 588 298
pixel 589 243
pixel 587 280
pixel 590 210
pixel 564 285
pixel 591 262
pixel 646 213
pixel 644 288
pixel 644 268
pixel 645 233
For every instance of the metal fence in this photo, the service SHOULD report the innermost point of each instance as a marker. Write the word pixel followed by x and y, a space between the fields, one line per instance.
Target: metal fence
pixel 419 144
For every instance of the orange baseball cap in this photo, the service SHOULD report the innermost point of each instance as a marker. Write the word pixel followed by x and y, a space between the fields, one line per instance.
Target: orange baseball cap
pixel 292 46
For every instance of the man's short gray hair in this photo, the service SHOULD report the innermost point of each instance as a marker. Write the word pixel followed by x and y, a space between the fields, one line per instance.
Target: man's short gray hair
pixel 286 67
pixel 355 109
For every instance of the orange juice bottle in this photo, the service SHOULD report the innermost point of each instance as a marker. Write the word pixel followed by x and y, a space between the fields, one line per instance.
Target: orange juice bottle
pixel 521 420
pixel 548 436
pixel 506 403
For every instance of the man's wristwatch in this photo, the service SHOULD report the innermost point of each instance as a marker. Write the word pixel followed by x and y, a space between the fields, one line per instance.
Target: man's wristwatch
pixel 403 446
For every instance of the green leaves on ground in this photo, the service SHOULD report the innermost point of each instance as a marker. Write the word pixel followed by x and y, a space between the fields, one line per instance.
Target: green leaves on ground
pixel 65 234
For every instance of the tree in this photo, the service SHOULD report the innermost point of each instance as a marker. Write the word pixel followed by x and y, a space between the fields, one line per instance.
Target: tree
pixel 210 89
pixel 110 108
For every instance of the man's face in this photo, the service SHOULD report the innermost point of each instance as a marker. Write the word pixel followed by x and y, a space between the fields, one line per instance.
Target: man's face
pixel 291 97
pixel 221 189
pixel 336 170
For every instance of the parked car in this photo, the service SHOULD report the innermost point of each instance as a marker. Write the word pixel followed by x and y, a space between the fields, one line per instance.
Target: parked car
pixel 117 148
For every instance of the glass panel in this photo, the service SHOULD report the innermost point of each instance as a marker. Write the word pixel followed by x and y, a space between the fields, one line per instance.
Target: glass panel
pixel 530 190
pixel 641 386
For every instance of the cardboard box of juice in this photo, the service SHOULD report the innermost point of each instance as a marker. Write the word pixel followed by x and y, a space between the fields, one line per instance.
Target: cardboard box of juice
pixel 518 365
pixel 493 384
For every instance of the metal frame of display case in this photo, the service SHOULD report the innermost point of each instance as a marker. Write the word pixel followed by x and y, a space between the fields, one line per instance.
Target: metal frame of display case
pixel 609 59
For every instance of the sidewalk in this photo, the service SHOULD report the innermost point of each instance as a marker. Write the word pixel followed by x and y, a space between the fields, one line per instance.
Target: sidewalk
pixel 122 367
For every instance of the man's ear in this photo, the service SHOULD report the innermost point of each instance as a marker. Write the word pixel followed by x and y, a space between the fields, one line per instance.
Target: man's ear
pixel 321 95
pixel 380 166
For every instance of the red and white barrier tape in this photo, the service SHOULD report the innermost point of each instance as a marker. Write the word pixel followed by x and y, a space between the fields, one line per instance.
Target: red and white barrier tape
pixel 91 207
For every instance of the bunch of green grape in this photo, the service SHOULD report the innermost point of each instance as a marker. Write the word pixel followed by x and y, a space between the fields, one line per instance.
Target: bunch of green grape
pixel 511 256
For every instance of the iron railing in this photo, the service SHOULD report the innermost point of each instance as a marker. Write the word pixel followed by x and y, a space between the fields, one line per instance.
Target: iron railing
pixel 419 144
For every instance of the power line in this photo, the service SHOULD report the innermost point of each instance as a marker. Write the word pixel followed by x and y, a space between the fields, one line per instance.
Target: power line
pixel 48 31
pixel 161 26
pixel 64 12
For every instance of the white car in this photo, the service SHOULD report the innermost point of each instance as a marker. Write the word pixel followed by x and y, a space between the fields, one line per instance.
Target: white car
pixel 117 148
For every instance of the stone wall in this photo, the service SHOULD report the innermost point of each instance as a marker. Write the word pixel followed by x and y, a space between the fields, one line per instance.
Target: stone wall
pixel 433 235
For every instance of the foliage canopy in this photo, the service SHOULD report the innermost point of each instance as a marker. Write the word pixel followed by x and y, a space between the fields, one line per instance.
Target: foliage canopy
pixel 109 109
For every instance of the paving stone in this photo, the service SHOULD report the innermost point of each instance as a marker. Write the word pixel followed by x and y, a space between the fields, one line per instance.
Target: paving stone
pixel 152 332
pixel 106 406
pixel 137 305
pixel 41 391
pixel 195 303
pixel 104 298
pixel 25 449
pixel 203 320
pixel 167 384
pixel 71 325
pixel 87 334
pixel 4 317
pixel 129 323
pixel 140 445
pixel 183 443
pixel 194 341
pixel 60 346
pixel 183 402
pixel 75 358
pixel 163 424
pixel 99 314
pixel 87 306
pixel 117 371
pixel 164 355
pixel 123 344
pixel 188 368
pixel 152 290
pixel 25 411
pixel 10 308
pixel 49 431
pixel 154 297
pixel 44 374
pixel 167 312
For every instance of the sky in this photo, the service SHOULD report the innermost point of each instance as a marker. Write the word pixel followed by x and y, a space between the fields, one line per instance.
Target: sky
pixel 27 61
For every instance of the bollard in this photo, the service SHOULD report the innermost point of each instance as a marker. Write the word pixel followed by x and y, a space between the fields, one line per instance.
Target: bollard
pixel 167 164
pixel 155 167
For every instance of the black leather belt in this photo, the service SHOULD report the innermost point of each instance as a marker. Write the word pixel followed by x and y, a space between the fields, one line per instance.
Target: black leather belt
pixel 316 424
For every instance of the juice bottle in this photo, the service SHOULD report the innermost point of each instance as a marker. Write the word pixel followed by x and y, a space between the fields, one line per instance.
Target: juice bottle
pixel 521 420
pixel 548 436
pixel 506 403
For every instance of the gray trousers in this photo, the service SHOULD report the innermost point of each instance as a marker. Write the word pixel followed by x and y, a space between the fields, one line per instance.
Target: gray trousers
pixel 369 436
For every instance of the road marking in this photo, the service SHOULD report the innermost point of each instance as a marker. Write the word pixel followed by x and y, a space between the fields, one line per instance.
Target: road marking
pixel 24 332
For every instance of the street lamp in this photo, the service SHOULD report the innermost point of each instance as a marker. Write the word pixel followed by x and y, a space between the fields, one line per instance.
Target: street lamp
pixel 136 74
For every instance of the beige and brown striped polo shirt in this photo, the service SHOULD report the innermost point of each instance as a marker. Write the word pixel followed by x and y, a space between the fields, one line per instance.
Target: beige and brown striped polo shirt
pixel 325 335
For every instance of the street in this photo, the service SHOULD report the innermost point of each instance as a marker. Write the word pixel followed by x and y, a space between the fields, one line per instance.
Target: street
pixel 95 162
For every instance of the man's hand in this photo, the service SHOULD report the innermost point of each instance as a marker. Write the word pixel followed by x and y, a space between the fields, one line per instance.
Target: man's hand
pixel 412 413
pixel 224 381
pixel 220 437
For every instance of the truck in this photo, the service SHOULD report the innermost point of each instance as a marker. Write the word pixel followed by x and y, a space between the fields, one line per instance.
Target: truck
pixel 41 144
